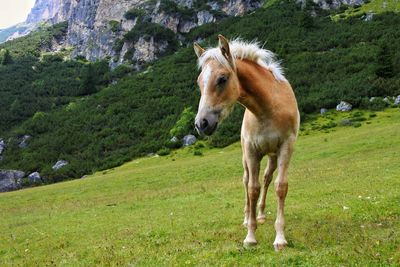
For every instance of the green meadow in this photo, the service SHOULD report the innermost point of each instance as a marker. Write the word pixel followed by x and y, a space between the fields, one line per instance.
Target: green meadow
pixel 343 207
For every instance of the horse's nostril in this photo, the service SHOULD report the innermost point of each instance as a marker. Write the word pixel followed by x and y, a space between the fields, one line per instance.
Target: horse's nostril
pixel 204 124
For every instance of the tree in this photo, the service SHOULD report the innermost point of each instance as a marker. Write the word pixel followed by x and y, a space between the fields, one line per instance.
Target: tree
pixel 88 85
pixel 384 67
pixel 7 59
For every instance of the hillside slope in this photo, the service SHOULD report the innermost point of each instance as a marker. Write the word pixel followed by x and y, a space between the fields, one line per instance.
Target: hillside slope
pixel 342 209
pixel 325 61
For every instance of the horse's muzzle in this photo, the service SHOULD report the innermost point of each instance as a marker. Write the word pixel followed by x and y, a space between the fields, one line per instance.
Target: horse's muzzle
pixel 204 127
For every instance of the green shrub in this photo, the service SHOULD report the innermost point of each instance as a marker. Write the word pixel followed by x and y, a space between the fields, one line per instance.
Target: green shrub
pixel 164 151
pixel 184 125
pixel 134 13
pixel 114 25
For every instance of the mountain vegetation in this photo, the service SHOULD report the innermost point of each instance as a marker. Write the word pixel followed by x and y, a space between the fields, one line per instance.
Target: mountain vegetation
pixel 97 118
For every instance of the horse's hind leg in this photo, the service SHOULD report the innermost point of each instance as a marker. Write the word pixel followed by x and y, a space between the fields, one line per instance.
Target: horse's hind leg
pixel 281 188
pixel 269 172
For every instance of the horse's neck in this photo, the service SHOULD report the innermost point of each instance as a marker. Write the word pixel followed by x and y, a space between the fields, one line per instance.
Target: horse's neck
pixel 256 87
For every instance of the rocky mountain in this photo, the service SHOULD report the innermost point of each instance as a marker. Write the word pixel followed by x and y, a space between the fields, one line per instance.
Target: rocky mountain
pixel 136 31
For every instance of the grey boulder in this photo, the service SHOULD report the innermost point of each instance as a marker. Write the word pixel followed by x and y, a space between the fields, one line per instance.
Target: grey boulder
pixel 397 100
pixel 24 141
pixel 344 106
pixel 189 140
pixel 2 146
pixel 10 180
pixel 323 111
pixel 59 164
pixel 35 178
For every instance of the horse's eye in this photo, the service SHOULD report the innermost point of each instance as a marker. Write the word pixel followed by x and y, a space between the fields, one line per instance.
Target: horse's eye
pixel 222 80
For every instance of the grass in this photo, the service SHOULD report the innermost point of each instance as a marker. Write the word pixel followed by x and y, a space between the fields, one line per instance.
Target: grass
pixel 374 6
pixel 343 208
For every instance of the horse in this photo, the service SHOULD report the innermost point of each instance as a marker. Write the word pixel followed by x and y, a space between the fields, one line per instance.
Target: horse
pixel 244 72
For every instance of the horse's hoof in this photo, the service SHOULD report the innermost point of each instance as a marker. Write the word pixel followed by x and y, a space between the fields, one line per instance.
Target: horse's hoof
pixel 261 219
pixel 249 242
pixel 279 245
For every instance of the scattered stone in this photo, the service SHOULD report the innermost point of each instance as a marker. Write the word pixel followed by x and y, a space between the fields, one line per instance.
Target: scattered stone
pixel 323 111
pixel 24 141
pixel 387 100
pixel 189 140
pixel 397 100
pixel 173 140
pixel 2 146
pixel 35 178
pixel 346 122
pixel 372 99
pixel 369 16
pixel 344 106
pixel 84 177
pixel 59 164
pixel 10 180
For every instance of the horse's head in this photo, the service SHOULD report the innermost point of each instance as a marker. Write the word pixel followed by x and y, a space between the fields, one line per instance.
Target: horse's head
pixel 219 85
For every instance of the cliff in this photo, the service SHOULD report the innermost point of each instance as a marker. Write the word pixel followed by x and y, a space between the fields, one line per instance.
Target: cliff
pixel 138 31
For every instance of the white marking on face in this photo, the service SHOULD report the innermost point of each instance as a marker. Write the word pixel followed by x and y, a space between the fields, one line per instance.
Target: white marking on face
pixel 206 78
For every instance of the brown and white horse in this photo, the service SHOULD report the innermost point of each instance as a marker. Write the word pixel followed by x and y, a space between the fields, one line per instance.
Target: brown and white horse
pixel 243 72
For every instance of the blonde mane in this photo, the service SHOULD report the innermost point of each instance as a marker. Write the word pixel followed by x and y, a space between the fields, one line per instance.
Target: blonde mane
pixel 246 50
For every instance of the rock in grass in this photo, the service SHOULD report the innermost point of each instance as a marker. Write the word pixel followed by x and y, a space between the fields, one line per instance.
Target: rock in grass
pixel 2 146
pixel 59 164
pixel 34 178
pixel 323 111
pixel 397 101
pixel 344 106
pixel 24 141
pixel 189 140
pixel 10 180
pixel 346 122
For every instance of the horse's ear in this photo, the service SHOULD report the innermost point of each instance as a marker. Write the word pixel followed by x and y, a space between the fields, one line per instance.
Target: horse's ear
pixel 225 50
pixel 198 49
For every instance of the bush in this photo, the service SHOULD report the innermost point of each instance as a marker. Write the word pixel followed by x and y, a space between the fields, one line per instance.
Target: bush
pixel 164 151
pixel 114 25
pixel 184 125
pixel 134 13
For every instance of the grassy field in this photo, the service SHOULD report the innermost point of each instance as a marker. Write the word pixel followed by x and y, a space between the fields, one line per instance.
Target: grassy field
pixel 343 208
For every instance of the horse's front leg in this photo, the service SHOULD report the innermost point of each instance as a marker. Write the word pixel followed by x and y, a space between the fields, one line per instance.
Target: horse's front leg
pixel 253 192
pixel 246 195
pixel 281 189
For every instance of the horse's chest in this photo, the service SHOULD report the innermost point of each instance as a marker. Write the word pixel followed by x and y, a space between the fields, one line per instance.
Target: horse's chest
pixel 265 140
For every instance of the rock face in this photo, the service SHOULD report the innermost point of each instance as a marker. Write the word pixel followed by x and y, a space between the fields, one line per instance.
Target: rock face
pixel 343 106
pixel 10 180
pixel 34 178
pixel 59 164
pixel 94 26
pixel 53 11
pixel 189 140
pixel 2 146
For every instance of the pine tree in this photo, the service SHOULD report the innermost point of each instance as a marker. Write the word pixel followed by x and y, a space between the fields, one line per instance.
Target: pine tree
pixel 7 59
pixel 384 67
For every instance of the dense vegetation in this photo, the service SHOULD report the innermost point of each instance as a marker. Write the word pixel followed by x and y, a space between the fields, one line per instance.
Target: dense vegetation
pixel 325 61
